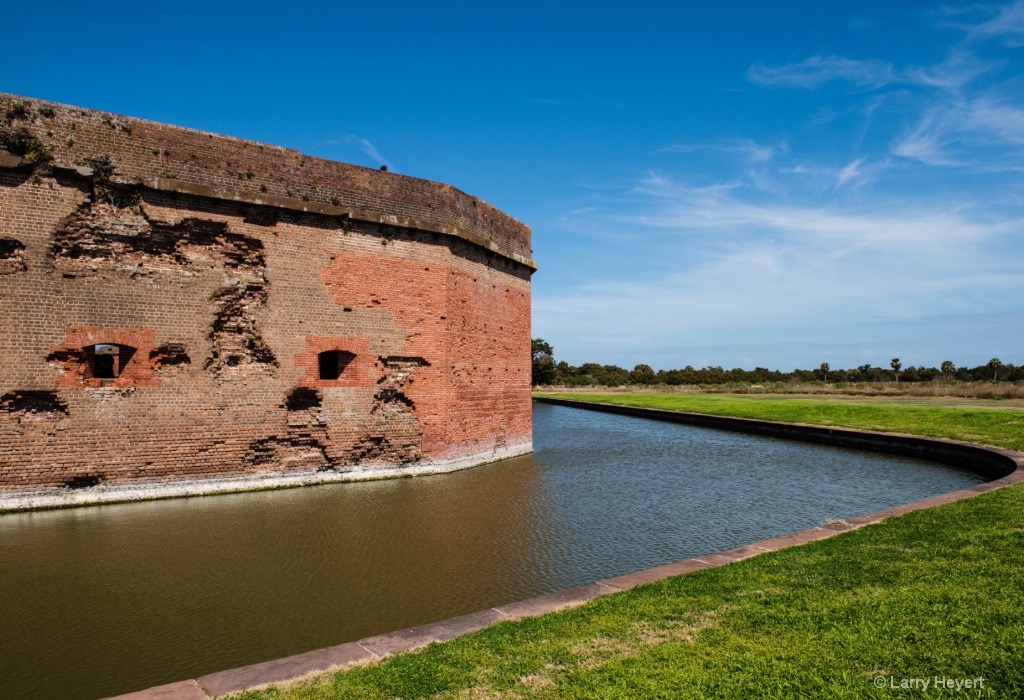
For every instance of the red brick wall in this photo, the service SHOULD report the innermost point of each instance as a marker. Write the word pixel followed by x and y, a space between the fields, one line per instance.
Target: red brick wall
pixel 227 305
pixel 467 321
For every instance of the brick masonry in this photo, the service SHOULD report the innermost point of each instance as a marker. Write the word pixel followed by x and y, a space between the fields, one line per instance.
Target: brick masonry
pixel 168 296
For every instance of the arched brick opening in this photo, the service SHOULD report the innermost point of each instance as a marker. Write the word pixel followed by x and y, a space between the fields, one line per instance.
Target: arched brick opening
pixel 99 357
pixel 331 364
pixel 336 362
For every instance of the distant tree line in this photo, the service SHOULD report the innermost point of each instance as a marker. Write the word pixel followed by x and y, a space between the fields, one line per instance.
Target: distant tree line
pixel 548 372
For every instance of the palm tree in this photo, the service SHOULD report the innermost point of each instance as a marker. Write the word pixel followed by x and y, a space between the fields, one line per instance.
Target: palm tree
pixel 825 368
pixel 947 369
pixel 895 364
pixel 995 365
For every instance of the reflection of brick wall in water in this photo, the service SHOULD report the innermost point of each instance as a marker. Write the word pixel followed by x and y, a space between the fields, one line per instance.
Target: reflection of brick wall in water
pixel 180 305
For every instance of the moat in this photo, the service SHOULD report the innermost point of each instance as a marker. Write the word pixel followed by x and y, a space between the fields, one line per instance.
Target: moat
pixel 105 600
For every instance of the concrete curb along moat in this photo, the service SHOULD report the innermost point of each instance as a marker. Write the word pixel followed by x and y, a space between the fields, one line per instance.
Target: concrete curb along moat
pixel 1005 467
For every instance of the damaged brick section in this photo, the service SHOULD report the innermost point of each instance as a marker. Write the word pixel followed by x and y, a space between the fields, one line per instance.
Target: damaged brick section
pixel 303 399
pixel 392 433
pixel 301 448
pixel 30 406
pixel 237 346
pixel 12 256
pixel 83 481
pixel 169 355
pixel 113 231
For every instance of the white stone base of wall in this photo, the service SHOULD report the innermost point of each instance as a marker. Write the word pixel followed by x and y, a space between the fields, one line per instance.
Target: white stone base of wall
pixel 120 493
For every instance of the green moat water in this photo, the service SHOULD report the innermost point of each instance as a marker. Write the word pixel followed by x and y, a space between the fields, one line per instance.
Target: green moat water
pixel 105 600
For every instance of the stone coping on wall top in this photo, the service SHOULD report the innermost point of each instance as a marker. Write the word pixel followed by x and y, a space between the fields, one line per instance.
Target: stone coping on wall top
pixel 141 149
pixel 372 648
pixel 268 200
pixel 212 192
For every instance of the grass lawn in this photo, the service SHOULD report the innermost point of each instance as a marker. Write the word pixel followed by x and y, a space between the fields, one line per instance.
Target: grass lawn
pixel 934 593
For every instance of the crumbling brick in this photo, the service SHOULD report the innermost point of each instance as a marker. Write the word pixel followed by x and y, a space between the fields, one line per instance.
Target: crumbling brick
pixel 391 433
pixel 116 233
pixel 169 355
pixel 12 257
pixel 44 404
pixel 237 348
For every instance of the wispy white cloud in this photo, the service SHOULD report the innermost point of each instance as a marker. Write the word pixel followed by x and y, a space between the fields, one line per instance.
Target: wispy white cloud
pixel 925 142
pixel 959 69
pixel 817 70
pixel 748 149
pixel 849 172
pixel 824 115
pixel 364 145
pixel 984 133
pixel 1007 25
pixel 370 150
pixel 961 66
pixel 995 120
pixel 756 158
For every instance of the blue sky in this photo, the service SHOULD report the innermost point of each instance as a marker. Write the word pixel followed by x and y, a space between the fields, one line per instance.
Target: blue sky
pixel 731 183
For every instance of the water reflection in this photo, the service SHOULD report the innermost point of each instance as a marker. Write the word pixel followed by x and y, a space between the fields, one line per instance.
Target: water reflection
pixel 98 601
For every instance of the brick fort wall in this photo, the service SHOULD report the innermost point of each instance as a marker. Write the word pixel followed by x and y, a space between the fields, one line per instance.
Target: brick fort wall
pixel 187 307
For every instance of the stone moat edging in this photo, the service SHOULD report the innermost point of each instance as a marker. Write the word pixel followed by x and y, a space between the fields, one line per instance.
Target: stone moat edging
pixel 1003 466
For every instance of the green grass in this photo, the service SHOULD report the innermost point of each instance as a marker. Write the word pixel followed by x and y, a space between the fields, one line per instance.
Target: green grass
pixel 932 593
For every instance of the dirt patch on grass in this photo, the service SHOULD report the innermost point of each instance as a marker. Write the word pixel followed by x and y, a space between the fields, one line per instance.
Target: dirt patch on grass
pixel 598 651
pixel 536 681
pixel 759 592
